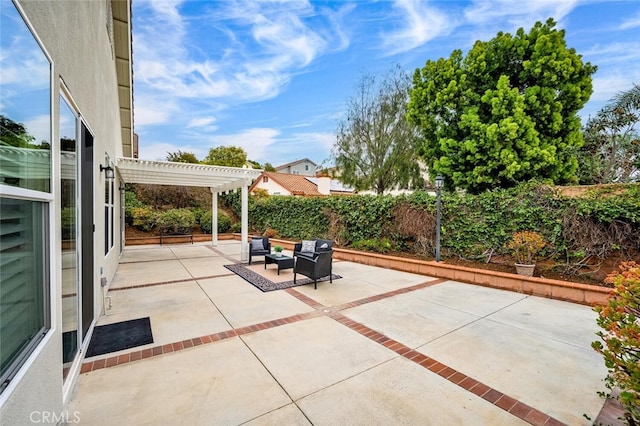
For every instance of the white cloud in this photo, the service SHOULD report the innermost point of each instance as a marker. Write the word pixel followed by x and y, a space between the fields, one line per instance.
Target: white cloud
pixel 338 28
pixel 608 84
pixel 605 87
pixel 261 144
pixel 321 140
pixel 24 69
pixel 201 122
pixel 613 53
pixel 518 13
pixel 422 23
pixel 158 151
pixel 616 72
pixel 22 61
pixel 287 39
pixel 254 141
pixel 313 145
pixel 631 22
pixel 146 114
pixel 251 51
pixel 488 17
pixel 265 43
pixel 39 127
pixel 24 74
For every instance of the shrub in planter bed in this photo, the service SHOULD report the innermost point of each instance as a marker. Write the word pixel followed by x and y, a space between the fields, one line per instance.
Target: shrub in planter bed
pixel 144 218
pixel 176 220
pixel 224 222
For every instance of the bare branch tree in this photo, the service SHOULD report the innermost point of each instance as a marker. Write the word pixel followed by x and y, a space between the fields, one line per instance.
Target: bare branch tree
pixel 375 145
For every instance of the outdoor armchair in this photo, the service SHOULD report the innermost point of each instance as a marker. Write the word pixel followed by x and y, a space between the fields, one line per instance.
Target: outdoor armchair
pixel 317 267
pixel 259 246
pixel 311 247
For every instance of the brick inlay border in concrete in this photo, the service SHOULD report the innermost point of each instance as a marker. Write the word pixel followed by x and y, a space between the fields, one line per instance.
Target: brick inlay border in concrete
pixel 184 280
pixel 493 396
pixel 389 294
pixel 92 365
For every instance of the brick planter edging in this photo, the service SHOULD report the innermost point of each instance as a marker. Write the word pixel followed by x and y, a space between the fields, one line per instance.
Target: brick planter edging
pixel 136 241
pixel 584 294
pixel 556 289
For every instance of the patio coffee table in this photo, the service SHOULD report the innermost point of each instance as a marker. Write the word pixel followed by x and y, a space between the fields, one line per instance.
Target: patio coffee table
pixel 283 262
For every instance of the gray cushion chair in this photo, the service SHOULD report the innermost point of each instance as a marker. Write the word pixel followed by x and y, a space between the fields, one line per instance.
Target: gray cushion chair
pixel 308 248
pixel 315 267
pixel 259 246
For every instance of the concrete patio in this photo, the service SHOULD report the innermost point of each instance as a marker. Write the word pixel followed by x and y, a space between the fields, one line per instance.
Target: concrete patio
pixel 374 347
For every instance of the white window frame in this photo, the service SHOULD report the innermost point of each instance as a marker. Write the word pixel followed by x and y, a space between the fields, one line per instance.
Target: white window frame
pixel 109 208
pixel 31 351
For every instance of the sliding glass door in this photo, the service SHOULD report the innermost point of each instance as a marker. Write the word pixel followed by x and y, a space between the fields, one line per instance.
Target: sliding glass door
pixel 69 231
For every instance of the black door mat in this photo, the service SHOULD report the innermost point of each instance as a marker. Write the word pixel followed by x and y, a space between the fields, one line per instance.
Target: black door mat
pixel 119 336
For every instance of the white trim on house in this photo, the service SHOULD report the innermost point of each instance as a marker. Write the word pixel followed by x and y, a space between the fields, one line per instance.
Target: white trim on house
pixel 217 178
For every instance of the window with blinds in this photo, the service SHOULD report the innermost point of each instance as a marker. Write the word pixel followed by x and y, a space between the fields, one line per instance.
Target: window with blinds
pixel 25 193
pixel 24 286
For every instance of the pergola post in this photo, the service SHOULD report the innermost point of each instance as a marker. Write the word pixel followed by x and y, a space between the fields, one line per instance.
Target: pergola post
pixel 214 217
pixel 218 179
pixel 244 246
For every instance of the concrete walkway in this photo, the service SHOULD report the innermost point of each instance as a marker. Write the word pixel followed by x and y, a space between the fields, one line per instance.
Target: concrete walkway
pixel 375 347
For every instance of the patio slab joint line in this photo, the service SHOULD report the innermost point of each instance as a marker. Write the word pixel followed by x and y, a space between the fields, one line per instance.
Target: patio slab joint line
pixel 495 397
pixel 183 280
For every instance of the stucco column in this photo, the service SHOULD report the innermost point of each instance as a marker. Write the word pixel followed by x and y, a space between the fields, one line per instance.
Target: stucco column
pixel 214 218
pixel 244 219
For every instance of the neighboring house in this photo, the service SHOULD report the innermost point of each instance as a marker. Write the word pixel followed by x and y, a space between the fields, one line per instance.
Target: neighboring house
pixel 303 167
pixel 290 184
pixel 67 147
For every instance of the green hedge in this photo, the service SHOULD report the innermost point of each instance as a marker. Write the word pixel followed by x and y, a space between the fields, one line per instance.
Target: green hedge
pixel 224 222
pixel 578 231
pixel 177 219
pixel 292 217
pixel 473 226
pixel 130 202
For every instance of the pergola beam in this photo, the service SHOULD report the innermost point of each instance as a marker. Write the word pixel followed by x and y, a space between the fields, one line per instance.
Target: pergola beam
pixel 217 178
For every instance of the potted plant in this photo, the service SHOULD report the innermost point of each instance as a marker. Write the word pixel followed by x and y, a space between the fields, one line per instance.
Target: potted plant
pixel 278 251
pixel 525 245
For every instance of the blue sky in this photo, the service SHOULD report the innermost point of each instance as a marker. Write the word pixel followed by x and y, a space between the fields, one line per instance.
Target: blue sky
pixel 274 77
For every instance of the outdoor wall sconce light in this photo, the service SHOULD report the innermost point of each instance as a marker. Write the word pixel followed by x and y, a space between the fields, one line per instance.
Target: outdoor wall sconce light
pixel 109 173
pixel 439 183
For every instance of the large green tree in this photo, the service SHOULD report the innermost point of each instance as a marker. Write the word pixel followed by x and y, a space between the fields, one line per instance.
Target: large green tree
pixel 504 113
pixel 231 156
pixel 15 134
pixel 375 145
pixel 268 167
pixel 182 157
pixel 611 150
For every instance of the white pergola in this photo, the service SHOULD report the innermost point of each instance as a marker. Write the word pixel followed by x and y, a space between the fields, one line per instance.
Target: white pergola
pixel 218 179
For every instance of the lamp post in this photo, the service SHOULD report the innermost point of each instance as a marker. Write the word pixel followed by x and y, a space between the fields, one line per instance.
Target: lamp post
pixel 439 182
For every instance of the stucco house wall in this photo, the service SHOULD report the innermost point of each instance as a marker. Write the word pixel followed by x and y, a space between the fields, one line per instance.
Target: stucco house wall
pixel 77 37
pixel 303 167
pixel 272 187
